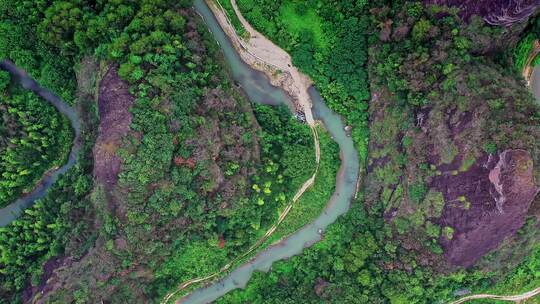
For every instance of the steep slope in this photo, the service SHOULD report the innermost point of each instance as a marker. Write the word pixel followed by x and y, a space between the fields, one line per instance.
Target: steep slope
pixel 188 174
pixel 453 152
pixel 500 12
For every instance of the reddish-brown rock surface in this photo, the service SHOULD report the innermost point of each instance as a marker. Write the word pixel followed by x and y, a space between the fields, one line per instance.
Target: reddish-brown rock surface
pixel 500 190
pixel 114 121
pixel 495 12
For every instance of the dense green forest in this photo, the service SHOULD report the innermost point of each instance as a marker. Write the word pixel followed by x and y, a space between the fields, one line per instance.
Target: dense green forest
pixel 327 40
pixel 34 137
pixel 352 265
pixel 525 46
pixel 204 173
pixel 56 224
pixel 61 221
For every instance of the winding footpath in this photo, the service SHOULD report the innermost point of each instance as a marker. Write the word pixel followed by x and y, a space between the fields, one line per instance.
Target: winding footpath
pixel 264 238
pixel 514 298
pixel 13 210
pixel 528 68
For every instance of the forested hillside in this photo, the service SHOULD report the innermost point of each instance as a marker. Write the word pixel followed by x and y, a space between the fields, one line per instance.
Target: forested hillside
pixel 34 138
pixel 447 108
pixel 464 115
pixel 187 174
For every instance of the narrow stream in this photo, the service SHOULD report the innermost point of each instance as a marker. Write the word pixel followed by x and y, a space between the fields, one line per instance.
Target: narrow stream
pixel 13 210
pixel 257 87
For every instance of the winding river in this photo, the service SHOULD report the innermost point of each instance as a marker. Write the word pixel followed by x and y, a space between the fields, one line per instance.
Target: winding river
pixel 257 87
pixel 13 210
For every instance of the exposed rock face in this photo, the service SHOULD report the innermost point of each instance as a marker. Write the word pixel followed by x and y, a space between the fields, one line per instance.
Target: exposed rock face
pixel 494 12
pixel 500 190
pixel 114 120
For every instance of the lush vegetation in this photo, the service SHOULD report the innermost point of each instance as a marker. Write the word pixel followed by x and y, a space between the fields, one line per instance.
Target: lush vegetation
pixel 287 161
pixel 204 173
pixel 34 137
pixel 328 41
pixel 354 264
pixel 523 49
pixel 59 222
pixel 430 73
pixel 21 43
pixel 311 204
pixel 233 18
pixel 44 231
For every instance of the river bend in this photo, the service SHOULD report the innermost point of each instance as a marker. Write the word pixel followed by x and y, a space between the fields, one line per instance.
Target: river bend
pixel 13 210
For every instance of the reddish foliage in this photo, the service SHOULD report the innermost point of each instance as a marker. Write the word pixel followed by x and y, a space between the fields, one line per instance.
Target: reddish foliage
pixel 179 161
pixel 221 243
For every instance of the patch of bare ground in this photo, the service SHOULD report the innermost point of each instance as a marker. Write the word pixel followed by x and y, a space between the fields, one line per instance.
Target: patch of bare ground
pixel 86 94
pixel 97 265
pixel 49 268
pixel 223 139
pixel 114 119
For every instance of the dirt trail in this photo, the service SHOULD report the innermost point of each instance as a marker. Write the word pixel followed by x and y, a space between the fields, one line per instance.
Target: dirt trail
pixel 262 54
pixel 528 69
pixel 308 183
pixel 515 298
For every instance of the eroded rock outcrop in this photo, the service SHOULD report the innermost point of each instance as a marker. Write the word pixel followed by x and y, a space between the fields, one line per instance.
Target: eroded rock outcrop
pixel 457 178
pixel 499 190
pixel 494 12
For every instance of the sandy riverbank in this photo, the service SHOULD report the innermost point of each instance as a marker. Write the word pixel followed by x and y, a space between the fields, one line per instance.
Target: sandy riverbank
pixel 263 55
